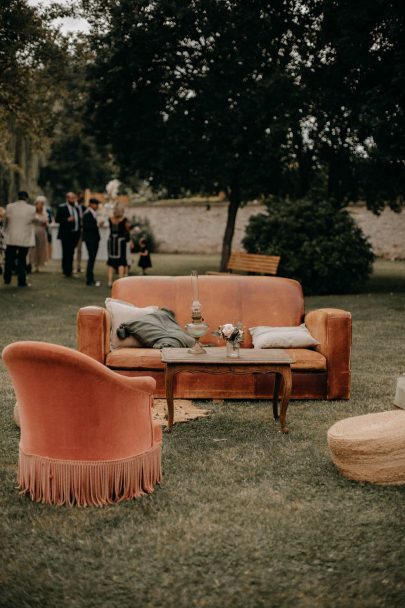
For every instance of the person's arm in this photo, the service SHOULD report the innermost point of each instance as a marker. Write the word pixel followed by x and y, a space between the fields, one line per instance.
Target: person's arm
pixel 127 226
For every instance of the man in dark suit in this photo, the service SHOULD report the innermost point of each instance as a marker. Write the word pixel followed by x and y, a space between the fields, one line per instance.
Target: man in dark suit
pixel 81 207
pixel 91 236
pixel 68 218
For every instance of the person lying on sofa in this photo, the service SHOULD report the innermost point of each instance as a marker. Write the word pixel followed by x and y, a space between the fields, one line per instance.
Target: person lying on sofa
pixel 157 330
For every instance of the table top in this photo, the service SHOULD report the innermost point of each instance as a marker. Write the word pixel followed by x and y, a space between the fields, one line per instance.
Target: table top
pixel 217 355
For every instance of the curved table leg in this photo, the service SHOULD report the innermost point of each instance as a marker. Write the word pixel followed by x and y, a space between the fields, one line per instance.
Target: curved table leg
pixel 277 378
pixel 169 378
pixel 285 397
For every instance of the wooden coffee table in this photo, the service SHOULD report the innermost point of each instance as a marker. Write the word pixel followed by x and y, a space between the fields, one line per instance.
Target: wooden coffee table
pixel 251 361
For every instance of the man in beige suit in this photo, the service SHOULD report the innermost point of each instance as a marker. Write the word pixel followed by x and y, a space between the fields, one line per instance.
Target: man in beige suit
pixel 19 236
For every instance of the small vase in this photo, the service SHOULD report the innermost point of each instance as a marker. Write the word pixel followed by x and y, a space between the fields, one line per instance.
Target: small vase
pixel 232 349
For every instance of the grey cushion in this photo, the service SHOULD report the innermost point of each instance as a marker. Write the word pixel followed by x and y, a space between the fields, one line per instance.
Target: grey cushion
pixel 157 330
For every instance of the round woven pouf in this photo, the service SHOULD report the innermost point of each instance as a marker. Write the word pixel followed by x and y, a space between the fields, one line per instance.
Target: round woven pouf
pixel 371 447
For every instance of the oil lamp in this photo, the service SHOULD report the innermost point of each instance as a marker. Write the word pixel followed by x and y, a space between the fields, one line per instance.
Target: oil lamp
pixel 197 328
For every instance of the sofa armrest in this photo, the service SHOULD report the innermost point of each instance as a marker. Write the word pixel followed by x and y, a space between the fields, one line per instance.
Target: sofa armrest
pixel 333 329
pixel 93 332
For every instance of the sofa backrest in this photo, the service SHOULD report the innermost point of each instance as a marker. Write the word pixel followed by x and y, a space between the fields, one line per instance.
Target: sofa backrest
pixel 253 300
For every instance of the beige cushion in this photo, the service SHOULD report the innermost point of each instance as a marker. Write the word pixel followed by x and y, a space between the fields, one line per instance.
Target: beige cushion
pixel 282 337
pixel 371 447
pixel 123 312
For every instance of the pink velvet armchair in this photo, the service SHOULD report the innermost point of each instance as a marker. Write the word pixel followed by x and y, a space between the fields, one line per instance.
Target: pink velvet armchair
pixel 87 434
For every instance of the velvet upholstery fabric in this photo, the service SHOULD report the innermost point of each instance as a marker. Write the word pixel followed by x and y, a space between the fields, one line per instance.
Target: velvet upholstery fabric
pixel 84 423
pixel 322 373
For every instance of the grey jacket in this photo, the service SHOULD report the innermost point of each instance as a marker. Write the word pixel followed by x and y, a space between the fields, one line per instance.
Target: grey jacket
pixel 19 224
pixel 157 330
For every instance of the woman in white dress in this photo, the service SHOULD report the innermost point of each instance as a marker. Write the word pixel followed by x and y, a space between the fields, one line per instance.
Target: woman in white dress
pixel 39 253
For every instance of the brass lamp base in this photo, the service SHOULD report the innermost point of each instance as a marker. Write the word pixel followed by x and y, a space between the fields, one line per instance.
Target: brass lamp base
pixel 197 348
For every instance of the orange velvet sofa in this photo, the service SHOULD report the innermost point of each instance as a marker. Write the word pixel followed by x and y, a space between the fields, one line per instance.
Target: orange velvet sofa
pixel 322 372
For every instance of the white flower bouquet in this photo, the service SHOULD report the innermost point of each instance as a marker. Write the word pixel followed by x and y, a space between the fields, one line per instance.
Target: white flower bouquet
pixel 230 333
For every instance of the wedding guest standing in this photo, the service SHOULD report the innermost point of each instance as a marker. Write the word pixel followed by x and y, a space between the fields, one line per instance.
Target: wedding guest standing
pixel 117 244
pixel 81 207
pixel 39 254
pixel 68 218
pixel 91 237
pixel 144 256
pixel 19 236
pixel 2 241
pixel 49 214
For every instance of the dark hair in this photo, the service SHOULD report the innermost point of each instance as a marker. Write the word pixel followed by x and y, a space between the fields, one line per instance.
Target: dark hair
pixel 95 201
pixel 23 196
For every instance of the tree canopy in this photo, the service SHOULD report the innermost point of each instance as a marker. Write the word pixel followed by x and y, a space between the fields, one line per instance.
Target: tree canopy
pixel 285 98
pixel 75 161
pixel 43 92
pixel 199 96
pixel 355 84
pixel 254 98
pixel 31 72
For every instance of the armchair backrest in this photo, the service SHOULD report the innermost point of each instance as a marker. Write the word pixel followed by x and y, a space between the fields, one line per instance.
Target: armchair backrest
pixel 74 408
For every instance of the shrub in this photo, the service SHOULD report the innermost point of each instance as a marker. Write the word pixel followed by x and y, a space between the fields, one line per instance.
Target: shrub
pixel 319 245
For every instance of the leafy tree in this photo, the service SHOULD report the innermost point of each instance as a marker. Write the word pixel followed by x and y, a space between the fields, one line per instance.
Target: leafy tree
pixel 283 98
pixel 201 95
pixel 75 161
pixel 31 71
pixel 355 83
pixel 319 246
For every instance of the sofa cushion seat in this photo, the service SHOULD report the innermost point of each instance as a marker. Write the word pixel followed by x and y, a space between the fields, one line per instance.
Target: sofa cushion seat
pixel 149 358
pixel 306 359
pixel 134 358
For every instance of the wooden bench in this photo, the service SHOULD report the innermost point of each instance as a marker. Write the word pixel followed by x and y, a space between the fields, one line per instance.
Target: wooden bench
pixel 251 262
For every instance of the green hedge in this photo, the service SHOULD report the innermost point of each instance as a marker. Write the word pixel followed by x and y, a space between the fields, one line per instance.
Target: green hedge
pixel 320 246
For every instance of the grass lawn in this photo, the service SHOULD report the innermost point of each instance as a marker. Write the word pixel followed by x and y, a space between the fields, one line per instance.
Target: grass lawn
pixel 245 516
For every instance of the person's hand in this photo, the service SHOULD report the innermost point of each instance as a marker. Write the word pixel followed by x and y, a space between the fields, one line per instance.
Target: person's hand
pixel 71 218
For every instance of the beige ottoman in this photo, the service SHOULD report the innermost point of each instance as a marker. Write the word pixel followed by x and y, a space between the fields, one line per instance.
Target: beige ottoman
pixel 399 400
pixel 371 447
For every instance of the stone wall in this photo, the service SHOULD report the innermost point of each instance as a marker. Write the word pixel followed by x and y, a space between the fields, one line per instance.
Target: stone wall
pixel 198 227
pixel 192 227
pixel 386 232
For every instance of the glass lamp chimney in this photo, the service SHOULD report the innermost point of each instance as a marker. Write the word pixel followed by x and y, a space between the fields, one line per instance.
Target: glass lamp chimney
pixel 196 308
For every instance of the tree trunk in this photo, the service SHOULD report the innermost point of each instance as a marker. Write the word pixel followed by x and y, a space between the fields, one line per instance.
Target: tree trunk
pixel 234 204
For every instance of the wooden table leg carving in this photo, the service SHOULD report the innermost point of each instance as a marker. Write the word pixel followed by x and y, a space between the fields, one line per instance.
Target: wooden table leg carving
pixel 285 396
pixel 277 378
pixel 169 380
